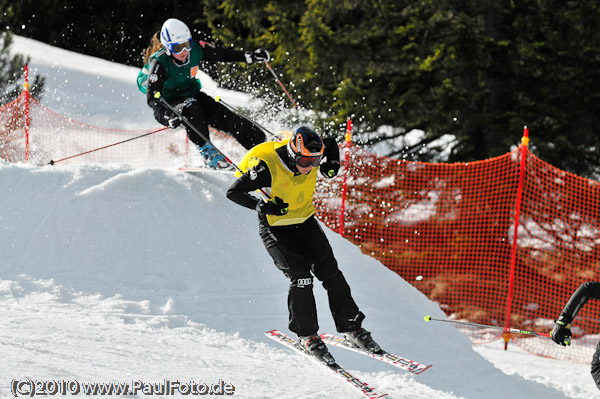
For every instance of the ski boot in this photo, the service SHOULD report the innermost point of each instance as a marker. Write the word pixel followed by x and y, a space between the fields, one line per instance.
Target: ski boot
pixel 314 346
pixel 361 338
pixel 212 158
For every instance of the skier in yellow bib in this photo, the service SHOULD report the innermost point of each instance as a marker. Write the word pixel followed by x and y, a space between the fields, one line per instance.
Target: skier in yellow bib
pixel 287 171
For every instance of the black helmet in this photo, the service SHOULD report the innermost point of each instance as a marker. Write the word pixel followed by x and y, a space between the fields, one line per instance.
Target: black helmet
pixel 305 147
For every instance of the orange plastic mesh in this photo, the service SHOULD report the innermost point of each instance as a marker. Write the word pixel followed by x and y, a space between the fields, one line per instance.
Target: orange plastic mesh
pixel 448 230
pixel 12 130
pixel 56 137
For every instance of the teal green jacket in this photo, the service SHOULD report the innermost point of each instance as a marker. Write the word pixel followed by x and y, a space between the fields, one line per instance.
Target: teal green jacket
pixel 177 80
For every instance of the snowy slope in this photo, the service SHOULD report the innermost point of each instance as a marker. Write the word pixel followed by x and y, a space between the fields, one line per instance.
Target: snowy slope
pixel 144 263
pixel 114 274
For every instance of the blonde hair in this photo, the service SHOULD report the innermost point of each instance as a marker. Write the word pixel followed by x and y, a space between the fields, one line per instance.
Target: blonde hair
pixel 152 48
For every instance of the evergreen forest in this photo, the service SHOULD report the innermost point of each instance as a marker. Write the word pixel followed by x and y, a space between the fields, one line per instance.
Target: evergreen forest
pixel 476 70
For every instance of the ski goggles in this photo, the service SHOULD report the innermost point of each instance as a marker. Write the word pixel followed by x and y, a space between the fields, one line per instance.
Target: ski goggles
pixel 180 47
pixel 305 162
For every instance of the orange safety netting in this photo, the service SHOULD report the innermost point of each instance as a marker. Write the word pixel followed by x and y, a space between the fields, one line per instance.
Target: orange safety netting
pixel 12 130
pixel 448 229
pixel 53 137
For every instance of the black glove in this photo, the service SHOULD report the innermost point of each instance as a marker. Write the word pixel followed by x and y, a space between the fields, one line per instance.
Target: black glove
pixel 561 333
pixel 275 206
pixel 166 117
pixel 258 55
pixel 329 168
pixel 172 120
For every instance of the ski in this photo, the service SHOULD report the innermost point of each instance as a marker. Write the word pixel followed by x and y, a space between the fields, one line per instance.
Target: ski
pixel 335 368
pixel 395 360
pixel 195 170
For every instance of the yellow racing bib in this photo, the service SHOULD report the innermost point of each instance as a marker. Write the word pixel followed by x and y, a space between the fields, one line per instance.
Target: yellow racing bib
pixel 296 190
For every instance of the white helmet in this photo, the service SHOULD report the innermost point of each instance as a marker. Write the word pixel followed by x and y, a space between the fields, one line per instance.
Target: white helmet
pixel 173 33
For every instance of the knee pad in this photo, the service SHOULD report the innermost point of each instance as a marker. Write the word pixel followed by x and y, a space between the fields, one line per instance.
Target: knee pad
pixel 190 108
pixel 188 102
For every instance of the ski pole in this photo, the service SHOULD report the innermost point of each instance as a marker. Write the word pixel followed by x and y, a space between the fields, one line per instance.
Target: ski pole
pixel 281 84
pixel 106 146
pixel 241 113
pixel 188 123
pixel 505 329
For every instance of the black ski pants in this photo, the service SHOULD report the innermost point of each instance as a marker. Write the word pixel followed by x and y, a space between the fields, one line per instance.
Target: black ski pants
pixel 300 251
pixel 203 111
pixel 596 366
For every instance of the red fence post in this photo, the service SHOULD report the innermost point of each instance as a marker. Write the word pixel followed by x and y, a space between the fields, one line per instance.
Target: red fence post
pixel 348 138
pixel 27 120
pixel 513 252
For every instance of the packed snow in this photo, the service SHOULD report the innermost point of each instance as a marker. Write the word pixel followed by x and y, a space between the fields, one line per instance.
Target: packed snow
pixel 130 275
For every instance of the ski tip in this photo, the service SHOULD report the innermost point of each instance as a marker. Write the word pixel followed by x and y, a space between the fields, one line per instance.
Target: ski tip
pixel 427 318
pixel 423 370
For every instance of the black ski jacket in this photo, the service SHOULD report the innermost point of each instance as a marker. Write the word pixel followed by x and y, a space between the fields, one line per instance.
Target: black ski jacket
pixel 585 292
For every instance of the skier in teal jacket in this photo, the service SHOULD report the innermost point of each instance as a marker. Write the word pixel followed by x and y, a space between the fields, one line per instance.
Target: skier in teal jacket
pixel 171 64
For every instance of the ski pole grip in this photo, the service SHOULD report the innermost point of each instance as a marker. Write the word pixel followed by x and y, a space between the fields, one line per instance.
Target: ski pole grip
pixel 427 319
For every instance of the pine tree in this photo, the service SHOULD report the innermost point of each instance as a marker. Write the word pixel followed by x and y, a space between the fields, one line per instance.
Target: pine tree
pixel 476 70
pixel 11 73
